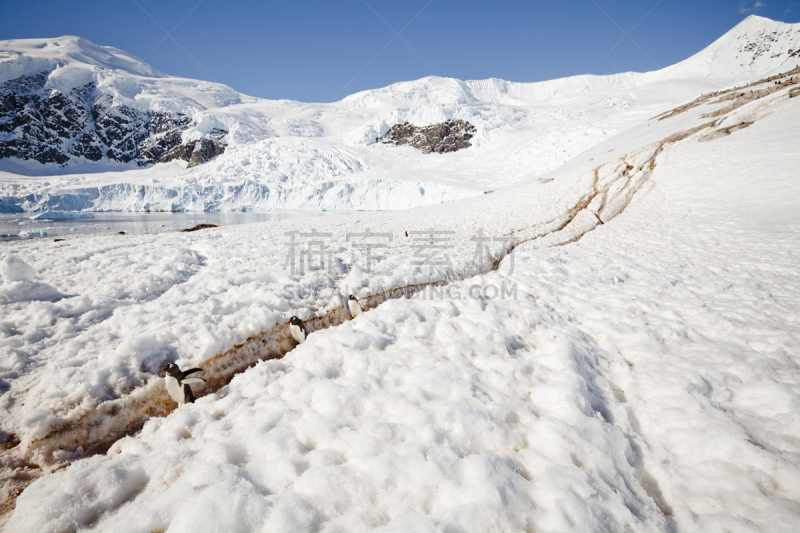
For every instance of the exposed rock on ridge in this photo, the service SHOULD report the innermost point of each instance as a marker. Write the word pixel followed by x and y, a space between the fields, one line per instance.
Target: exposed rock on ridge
pixel 441 138
pixel 199 151
pixel 762 42
pixel 49 126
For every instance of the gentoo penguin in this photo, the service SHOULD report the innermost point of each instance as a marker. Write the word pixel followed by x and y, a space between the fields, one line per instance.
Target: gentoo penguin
pixel 178 383
pixel 355 307
pixel 297 329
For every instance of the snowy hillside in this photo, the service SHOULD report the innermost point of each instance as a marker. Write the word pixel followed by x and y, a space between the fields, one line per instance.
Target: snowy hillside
pixel 249 153
pixel 608 346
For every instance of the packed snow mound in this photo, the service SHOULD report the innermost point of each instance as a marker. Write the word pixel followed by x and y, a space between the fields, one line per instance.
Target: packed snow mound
pixel 14 268
pixel 19 282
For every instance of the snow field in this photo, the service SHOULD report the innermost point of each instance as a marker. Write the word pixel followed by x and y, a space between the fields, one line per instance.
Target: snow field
pixel 399 422
pixel 138 300
pixel 696 298
pixel 188 301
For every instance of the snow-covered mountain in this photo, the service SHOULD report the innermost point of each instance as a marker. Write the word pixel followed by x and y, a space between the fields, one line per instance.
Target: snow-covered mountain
pixel 109 132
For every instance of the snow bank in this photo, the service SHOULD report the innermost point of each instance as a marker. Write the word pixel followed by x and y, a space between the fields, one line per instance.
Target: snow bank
pixel 14 268
pixel 19 282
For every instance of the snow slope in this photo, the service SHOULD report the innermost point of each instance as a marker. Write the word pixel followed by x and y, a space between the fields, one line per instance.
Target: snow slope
pixel 291 155
pixel 631 365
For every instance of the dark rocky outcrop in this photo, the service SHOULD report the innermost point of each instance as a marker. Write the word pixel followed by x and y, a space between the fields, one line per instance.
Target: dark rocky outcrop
pixel 197 228
pixel 49 126
pixel 441 138
pixel 199 151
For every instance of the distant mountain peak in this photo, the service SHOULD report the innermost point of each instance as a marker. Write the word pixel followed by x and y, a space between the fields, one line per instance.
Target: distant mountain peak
pixel 756 45
pixel 69 50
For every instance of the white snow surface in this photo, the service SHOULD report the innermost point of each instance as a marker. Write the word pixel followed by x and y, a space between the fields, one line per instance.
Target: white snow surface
pixel 291 155
pixel 633 366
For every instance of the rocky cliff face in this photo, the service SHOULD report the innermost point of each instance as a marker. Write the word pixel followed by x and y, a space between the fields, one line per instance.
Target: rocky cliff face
pixel 441 138
pixel 49 126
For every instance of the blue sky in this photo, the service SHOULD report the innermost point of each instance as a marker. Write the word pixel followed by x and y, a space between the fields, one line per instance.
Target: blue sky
pixel 321 51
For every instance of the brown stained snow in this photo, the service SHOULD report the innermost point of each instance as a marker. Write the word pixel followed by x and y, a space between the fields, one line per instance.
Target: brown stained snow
pixel 736 93
pixel 742 98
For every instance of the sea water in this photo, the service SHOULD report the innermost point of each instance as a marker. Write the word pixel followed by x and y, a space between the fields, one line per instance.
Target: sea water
pixel 15 226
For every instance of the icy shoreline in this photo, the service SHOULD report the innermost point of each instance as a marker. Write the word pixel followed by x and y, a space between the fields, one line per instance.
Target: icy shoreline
pixel 343 195
pixel 15 226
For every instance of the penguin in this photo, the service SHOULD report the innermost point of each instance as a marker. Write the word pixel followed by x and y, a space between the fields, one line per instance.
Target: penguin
pixel 297 329
pixel 178 383
pixel 355 307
